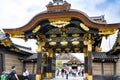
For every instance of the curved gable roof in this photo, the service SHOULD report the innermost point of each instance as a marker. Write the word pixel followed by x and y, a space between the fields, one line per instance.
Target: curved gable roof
pixel 71 13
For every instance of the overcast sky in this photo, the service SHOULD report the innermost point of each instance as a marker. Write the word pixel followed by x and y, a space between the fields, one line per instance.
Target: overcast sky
pixel 16 13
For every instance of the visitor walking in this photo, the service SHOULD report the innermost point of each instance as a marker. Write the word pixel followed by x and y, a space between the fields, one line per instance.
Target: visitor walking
pixel 82 72
pixel 26 74
pixel 67 73
pixel 62 72
pixel 13 75
pixel 58 72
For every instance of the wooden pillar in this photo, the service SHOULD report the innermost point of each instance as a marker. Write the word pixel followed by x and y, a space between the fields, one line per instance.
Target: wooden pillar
pixel 114 68
pixel 49 63
pixel 39 61
pixel 24 66
pixel 33 70
pixel 88 56
pixel 90 76
pixel 54 65
pixel 86 60
pixel 102 68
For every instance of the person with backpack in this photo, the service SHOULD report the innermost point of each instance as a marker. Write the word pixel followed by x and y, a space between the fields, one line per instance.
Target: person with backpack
pixel 12 75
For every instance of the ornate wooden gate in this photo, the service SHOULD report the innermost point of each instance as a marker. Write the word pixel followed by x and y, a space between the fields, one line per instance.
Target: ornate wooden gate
pixel 61 29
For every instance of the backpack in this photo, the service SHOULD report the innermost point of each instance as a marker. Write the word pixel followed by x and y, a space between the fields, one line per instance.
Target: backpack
pixel 9 75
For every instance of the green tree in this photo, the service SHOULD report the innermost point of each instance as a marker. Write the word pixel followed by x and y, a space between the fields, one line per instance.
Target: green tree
pixel 59 64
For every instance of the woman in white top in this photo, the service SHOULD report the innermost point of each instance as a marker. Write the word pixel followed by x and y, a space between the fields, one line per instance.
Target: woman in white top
pixel 26 74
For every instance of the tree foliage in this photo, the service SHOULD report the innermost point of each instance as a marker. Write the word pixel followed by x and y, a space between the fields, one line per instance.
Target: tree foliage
pixel 59 64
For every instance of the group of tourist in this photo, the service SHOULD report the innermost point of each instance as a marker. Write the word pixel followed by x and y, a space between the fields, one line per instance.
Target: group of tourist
pixel 12 75
pixel 65 72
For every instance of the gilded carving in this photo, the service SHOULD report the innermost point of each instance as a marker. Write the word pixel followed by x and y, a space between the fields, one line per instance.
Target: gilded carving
pixel 107 31
pixel 83 26
pixel 59 22
pixel 17 34
pixel 50 53
pixel 52 43
pixel 15 49
pixel 76 49
pixel 40 45
pixel 85 51
pixel 6 42
pixel 53 35
pixel 88 41
pixel 98 48
pixel 36 29
pixel 75 35
pixel 64 43
pixel 119 38
pixel 59 19
pixel 67 49
pixel 75 42
pixel 58 49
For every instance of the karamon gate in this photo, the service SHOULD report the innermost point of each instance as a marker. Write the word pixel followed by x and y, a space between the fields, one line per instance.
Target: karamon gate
pixel 62 29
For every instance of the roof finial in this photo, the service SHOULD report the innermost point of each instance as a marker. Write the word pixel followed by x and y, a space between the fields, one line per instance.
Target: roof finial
pixel 58 1
pixel 58 5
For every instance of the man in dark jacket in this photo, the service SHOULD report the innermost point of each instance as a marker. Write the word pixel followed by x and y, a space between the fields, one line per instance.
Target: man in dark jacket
pixel 13 74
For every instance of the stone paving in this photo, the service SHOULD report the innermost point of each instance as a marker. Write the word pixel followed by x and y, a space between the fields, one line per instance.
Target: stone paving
pixel 69 78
